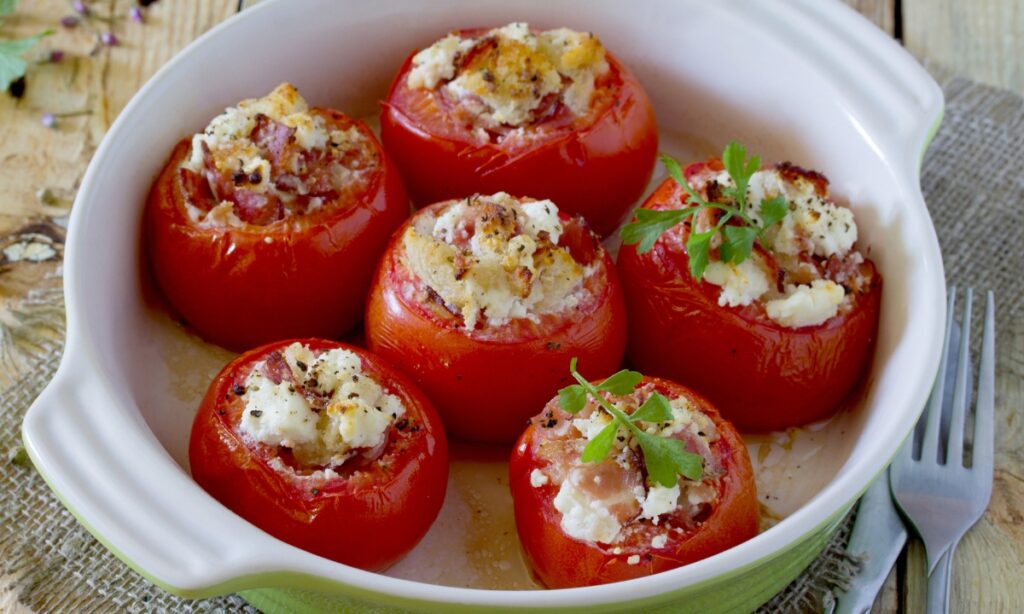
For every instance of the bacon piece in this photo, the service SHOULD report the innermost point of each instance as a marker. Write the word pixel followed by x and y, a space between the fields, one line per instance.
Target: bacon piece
pixel 273 137
pixel 276 368
pixel 255 208
pixel 196 189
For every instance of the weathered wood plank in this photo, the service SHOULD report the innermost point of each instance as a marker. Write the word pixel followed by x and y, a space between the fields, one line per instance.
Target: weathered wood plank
pixel 981 38
pixel 882 12
pixel 33 158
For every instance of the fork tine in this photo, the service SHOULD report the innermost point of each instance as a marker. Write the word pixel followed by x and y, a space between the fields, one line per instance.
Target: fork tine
pixel 930 442
pixel 984 420
pixel 955 443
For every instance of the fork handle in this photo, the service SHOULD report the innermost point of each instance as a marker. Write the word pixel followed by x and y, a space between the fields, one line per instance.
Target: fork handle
pixel 938 583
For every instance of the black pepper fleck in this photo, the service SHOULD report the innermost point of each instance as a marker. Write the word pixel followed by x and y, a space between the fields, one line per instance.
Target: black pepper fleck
pixel 238 389
pixel 256 413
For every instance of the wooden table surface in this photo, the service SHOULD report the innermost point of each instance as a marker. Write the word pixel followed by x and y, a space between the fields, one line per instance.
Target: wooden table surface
pixel 40 169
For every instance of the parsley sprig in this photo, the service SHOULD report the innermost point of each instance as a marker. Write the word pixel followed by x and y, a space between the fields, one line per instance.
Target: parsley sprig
pixel 665 458
pixel 737 239
pixel 12 65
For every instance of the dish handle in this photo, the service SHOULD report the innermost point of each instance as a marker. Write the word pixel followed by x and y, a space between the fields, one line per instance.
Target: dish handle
pixel 900 104
pixel 96 456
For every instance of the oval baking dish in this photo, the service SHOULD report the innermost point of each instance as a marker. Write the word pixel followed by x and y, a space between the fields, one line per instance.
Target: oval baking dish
pixel 807 81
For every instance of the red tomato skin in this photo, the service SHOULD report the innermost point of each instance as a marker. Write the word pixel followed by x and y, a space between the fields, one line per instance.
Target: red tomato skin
pixel 763 376
pixel 560 561
pixel 487 388
pixel 369 523
pixel 597 170
pixel 238 291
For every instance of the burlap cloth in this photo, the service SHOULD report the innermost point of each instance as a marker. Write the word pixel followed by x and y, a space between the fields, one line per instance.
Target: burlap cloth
pixel 973 180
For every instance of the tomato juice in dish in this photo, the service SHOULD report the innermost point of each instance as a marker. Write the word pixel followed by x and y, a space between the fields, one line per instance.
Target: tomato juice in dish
pixel 592 521
pixel 775 336
pixel 325 447
pixel 484 300
pixel 268 223
pixel 545 114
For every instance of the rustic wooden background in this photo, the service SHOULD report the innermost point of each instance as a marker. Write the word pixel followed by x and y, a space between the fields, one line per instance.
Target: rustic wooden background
pixel 40 169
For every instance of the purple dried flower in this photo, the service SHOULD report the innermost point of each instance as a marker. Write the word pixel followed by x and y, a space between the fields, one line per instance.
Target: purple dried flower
pixel 108 39
pixel 49 120
pixel 81 7
pixel 136 14
pixel 69 21
pixel 56 55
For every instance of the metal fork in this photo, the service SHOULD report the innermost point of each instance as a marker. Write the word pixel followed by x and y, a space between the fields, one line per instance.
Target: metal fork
pixel 940 494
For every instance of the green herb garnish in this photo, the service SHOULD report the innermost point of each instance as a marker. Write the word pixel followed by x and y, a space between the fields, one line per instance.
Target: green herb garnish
pixel 665 458
pixel 12 65
pixel 737 239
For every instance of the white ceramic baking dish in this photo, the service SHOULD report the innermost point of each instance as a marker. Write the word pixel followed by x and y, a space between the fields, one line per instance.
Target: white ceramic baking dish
pixel 804 80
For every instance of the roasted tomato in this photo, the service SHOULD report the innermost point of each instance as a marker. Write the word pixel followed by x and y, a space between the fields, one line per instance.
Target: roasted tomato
pixel 483 301
pixel 776 341
pixel 544 114
pixel 269 223
pixel 585 523
pixel 323 446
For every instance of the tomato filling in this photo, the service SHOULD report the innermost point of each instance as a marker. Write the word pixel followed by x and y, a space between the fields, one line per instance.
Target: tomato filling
pixel 508 78
pixel 805 269
pixel 612 501
pixel 492 259
pixel 271 158
pixel 315 410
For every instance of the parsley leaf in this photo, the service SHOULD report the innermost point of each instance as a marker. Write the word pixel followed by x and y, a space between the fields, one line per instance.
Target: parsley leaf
pixel 737 238
pixel 572 398
pixel 773 210
pixel 667 458
pixel 622 382
pixel 654 409
pixel 697 247
pixel 664 458
pixel 12 65
pixel 650 225
pixel 673 168
pixel 601 445
pixel 737 243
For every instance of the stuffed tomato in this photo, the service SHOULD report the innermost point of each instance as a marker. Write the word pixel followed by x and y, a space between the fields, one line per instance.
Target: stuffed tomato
pixel 607 519
pixel 549 114
pixel 776 332
pixel 323 446
pixel 268 224
pixel 482 301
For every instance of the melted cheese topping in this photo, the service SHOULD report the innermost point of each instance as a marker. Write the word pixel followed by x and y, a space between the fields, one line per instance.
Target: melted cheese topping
pixel 814 226
pixel 356 412
pixel 228 134
pixel 495 258
pixel 230 140
pixel 504 76
pixel 587 518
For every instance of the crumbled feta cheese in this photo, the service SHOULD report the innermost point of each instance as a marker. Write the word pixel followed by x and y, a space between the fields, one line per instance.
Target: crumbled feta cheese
pixel 436 63
pixel 542 216
pixel 741 283
pixel 538 478
pixel 660 500
pixel 356 414
pixel 496 258
pixel 584 518
pixel 506 83
pixel 633 560
pixel 275 415
pixel 659 541
pixel 806 305
pixel 593 424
